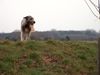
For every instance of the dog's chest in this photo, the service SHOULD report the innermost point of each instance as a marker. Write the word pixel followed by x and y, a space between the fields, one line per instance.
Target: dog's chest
pixel 26 28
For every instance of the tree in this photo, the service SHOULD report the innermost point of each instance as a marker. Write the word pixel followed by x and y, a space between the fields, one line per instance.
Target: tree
pixel 90 32
pixel 53 30
pixel 98 9
pixel 95 6
pixel 16 30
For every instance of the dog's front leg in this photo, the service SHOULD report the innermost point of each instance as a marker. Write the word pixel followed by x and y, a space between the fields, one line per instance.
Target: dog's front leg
pixel 27 36
pixel 22 36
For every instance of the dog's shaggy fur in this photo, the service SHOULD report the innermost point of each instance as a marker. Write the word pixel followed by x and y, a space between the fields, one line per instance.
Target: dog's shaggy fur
pixel 27 26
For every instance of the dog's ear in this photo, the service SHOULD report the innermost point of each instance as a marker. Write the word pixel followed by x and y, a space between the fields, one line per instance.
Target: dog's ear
pixel 26 17
pixel 23 22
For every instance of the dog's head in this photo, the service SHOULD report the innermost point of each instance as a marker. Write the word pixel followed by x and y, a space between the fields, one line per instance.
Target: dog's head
pixel 29 20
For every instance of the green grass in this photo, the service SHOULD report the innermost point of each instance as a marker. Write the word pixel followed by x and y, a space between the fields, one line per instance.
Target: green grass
pixel 51 57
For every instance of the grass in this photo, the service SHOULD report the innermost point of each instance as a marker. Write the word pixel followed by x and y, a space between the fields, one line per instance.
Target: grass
pixel 51 57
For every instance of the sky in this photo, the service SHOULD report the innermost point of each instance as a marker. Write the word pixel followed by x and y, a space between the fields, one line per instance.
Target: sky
pixel 48 14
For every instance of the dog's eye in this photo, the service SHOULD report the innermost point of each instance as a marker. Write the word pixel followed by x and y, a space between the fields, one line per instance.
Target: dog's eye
pixel 31 18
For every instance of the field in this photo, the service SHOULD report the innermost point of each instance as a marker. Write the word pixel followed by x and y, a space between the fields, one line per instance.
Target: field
pixel 51 57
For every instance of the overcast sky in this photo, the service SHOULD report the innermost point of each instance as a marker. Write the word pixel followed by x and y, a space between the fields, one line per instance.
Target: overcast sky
pixel 48 14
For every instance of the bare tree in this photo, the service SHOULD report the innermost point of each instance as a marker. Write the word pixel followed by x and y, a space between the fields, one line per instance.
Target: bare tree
pixel 99 43
pixel 98 16
pixel 95 6
pixel 99 7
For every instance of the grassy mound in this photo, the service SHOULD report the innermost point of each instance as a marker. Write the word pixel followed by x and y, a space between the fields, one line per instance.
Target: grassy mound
pixel 50 57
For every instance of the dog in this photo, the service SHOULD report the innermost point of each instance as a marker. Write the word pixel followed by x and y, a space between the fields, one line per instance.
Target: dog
pixel 27 26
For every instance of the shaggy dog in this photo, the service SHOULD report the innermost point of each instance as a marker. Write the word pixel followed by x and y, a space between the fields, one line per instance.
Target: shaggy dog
pixel 27 26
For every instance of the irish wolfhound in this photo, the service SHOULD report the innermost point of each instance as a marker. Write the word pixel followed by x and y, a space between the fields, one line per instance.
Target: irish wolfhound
pixel 27 26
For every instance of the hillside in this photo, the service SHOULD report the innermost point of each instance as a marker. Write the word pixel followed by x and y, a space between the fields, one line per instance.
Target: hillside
pixel 51 57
